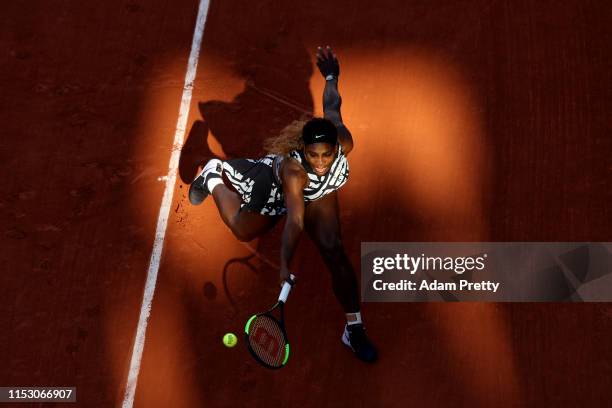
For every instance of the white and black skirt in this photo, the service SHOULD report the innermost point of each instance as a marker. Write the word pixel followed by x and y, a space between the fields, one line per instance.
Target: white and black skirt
pixel 255 182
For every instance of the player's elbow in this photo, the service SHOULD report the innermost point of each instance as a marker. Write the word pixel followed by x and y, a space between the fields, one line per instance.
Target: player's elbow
pixel 332 112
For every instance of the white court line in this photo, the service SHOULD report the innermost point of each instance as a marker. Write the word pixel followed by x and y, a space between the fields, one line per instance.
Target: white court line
pixel 164 210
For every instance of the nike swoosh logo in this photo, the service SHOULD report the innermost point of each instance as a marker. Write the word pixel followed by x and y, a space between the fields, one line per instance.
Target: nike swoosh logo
pixel 318 136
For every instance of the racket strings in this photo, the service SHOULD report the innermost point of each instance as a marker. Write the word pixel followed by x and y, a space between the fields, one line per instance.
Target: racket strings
pixel 267 340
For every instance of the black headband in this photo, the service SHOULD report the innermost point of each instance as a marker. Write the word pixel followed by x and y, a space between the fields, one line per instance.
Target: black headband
pixel 319 130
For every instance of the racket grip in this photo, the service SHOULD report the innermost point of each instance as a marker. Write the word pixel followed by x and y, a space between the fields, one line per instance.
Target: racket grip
pixel 286 289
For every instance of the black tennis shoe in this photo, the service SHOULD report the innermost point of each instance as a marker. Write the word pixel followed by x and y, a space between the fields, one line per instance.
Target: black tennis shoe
pixel 198 190
pixel 355 338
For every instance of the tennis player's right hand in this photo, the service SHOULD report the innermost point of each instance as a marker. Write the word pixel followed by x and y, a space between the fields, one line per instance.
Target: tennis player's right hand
pixel 283 275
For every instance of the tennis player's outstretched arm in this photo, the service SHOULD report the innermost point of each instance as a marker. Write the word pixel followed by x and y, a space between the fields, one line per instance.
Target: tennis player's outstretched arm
pixel 294 180
pixel 328 64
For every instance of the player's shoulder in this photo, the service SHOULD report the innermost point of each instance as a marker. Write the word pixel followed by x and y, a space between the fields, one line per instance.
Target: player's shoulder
pixel 345 139
pixel 292 166
pixel 292 171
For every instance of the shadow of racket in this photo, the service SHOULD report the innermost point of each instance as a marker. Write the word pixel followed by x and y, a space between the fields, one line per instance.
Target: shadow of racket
pixel 246 261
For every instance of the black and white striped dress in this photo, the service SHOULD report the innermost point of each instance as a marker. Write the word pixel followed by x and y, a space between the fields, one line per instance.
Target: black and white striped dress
pixel 319 186
pixel 258 181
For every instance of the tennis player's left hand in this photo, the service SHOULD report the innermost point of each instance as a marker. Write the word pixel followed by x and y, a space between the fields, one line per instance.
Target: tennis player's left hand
pixel 327 62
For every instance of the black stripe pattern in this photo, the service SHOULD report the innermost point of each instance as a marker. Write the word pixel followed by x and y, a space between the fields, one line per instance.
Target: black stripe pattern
pixel 335 178
pixel 258 181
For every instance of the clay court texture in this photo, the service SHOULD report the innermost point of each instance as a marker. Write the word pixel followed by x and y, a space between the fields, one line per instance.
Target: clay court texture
pixel 472 121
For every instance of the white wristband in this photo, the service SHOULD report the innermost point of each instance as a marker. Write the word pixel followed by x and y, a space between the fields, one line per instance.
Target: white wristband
pixel 330 77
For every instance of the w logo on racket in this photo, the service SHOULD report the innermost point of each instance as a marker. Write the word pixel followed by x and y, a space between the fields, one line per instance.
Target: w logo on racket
pixel 267 341
pixel 265 335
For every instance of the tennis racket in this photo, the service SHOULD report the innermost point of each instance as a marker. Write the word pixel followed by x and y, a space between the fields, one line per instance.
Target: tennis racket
pixel 265 335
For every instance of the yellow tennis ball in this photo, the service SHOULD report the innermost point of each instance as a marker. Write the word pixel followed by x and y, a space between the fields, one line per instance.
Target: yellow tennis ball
pixel 230 340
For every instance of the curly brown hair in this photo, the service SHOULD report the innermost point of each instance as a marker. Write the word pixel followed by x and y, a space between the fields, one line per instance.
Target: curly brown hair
pixel 290 138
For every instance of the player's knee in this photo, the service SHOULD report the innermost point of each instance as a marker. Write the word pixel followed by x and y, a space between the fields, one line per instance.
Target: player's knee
pixel 330 245
pixel 243 236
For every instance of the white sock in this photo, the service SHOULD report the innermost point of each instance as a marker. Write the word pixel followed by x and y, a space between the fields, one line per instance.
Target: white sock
pixel 353 318
pixel 213 182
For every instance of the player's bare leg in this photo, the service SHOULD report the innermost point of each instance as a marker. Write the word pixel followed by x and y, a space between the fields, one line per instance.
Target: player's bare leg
pixel 245 225
pixel 322 222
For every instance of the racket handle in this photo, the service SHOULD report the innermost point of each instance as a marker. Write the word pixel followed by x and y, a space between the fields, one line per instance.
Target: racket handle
pixel 286 288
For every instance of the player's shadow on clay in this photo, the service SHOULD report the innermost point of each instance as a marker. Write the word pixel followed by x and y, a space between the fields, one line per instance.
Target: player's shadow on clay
pixel 274 95
pixel 239 127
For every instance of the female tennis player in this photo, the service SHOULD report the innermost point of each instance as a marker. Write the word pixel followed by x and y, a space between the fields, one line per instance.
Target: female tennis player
pixel 299 178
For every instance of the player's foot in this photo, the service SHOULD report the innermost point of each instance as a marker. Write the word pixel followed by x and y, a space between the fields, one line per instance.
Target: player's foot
pixel 198 190
pixel 355 338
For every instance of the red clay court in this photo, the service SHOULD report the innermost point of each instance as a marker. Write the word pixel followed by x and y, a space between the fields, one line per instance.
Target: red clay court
pixel 472 121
